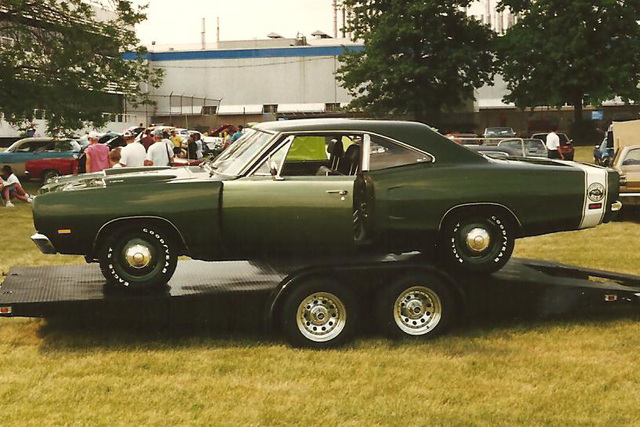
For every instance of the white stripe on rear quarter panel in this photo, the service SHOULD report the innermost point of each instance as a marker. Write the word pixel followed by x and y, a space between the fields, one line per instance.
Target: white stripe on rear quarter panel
pixel 593 175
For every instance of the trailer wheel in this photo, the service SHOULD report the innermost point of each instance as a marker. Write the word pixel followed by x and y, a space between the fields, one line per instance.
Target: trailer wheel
pixel 319 313
pixel 416 306
pixel 477 242
pixel 138 257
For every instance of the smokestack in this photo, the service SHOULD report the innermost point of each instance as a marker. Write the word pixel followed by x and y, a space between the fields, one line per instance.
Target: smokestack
pixel 335 19
pixel 488 14
pixel 203 35
pixel 218 29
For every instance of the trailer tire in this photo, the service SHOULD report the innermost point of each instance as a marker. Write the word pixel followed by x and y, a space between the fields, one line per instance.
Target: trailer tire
pixel 151 266
pixel 319 313
pixel 416 306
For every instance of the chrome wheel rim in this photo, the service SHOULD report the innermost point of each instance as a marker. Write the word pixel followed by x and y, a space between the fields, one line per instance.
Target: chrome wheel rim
pixel 417 310
pixel 478 239
pixel 321 317
pixel 138 255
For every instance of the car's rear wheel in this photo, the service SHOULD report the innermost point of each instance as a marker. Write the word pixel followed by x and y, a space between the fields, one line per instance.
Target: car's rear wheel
pixel 319 313
pixel 476 241
pixel 416 306
pixel 138 257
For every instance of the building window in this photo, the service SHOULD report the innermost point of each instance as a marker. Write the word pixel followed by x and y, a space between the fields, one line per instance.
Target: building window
pixel 210 109
pixel 332 106
pixel 270 108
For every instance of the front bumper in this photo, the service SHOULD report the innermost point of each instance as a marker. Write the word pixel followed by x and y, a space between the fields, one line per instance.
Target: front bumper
pixel 43 243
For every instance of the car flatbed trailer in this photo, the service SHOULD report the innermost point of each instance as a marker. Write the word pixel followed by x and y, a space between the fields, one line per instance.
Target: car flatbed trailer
pixel 318 305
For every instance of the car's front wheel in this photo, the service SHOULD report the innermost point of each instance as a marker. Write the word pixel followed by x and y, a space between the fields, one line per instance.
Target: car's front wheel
pixel 49 175
pixel 477 242
pixel 138 257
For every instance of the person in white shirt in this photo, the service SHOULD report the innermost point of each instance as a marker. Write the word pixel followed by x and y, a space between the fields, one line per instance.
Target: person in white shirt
pixel 10 186
pixel 160 153
pixel 134 154
pixel 553 144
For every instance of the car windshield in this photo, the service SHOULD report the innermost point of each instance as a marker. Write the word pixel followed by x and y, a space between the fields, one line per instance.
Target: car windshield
pixel 235 158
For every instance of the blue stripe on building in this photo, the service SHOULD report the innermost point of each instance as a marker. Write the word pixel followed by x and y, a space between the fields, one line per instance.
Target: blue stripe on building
pixel 282 52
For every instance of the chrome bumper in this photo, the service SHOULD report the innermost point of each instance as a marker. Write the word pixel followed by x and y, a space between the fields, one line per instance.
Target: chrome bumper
pixel 43 243
pixel 616 206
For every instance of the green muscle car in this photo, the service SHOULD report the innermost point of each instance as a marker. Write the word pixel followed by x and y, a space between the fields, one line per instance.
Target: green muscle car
pixel 316 188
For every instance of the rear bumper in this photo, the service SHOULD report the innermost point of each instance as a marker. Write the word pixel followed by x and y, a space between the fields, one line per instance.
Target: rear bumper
pixel 43 243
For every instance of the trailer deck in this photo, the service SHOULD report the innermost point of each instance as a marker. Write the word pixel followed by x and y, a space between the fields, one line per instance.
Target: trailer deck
pixel 218 291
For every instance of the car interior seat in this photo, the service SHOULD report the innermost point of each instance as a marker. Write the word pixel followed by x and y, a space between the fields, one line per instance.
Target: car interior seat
pixel 336 154
pixel 351 161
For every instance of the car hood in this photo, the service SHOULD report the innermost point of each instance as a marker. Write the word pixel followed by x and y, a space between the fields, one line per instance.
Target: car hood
pixel 127 176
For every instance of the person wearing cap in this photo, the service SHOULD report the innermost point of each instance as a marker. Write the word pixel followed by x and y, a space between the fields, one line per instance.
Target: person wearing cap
pixel 160 153
pixel 133 154
pixel 97 154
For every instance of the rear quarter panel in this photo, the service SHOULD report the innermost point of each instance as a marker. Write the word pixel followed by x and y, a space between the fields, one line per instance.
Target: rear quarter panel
pixel 416 198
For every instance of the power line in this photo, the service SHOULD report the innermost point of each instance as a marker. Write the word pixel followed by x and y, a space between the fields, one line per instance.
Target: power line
pixel 297 61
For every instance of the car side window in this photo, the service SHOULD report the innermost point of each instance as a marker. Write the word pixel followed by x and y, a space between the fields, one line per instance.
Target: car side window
pixel 534 146
pixel 632 158
pixel 515 144
pixel 31 146
pixel 387 154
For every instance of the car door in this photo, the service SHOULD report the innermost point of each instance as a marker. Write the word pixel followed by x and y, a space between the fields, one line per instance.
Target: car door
pixel 291 203
pixel 389 202
pixel 630 167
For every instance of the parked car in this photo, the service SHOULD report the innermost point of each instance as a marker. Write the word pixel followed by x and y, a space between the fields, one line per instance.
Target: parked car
pixel 566 145
pixel 493 151
pixel 319 188
pixel 27 149
pixel 499 132
pixel 627 163
pixel 603 153
pixel 462 137
pixel 46 169
pixel 525 147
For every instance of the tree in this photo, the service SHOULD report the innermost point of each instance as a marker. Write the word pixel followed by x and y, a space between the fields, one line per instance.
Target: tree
pixel 58 56
pixel 419 57
pixel 572 52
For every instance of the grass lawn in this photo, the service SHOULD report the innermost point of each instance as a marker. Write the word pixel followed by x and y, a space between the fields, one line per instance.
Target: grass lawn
pixel 573 370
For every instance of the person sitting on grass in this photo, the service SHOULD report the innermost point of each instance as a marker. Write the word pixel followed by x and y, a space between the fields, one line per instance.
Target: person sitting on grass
pixel 10 186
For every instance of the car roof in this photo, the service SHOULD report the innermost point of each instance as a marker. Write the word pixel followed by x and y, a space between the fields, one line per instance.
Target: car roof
pixel 415 134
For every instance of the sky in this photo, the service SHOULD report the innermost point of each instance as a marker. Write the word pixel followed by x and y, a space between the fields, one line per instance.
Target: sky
pixel 171 22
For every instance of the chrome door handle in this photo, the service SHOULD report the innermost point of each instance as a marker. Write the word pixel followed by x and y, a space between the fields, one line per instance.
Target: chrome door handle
pixel 340 192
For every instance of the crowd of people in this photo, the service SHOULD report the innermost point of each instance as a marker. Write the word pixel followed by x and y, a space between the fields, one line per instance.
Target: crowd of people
pixel 155 147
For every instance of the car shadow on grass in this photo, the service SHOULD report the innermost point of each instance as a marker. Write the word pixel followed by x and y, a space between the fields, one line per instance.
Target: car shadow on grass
pixel 99 333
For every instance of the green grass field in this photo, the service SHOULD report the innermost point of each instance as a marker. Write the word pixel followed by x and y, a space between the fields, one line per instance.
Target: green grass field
pixel 572 370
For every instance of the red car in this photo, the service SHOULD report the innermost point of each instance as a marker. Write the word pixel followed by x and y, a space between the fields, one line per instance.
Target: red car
pixel 566 146
pixel 45 169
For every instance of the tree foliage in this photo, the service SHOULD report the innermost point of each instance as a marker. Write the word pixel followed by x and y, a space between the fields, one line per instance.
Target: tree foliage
pixel 571 52
pixel 57 55
pixel 419 57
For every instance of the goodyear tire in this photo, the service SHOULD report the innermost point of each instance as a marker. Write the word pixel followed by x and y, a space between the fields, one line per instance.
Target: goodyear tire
pixel 477 242
pixel 417 306
pixel 138 257
pixel 319 314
